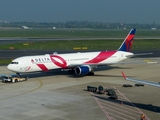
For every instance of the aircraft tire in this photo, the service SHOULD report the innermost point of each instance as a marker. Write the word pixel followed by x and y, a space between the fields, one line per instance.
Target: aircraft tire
pixel 90 74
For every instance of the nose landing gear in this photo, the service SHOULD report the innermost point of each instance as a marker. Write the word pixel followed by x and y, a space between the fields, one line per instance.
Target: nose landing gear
pixel 18 74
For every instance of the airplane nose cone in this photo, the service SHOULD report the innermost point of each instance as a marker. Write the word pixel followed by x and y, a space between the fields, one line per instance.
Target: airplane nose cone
pixel 9 67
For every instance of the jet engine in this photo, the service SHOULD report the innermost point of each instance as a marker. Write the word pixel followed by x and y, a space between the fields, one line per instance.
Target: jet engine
pixel 82 70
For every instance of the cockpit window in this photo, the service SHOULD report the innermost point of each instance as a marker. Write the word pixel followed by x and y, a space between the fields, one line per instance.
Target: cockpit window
pixel 14 62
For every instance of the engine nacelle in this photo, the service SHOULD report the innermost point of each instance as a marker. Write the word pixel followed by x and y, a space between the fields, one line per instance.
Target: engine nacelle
pixel 82 70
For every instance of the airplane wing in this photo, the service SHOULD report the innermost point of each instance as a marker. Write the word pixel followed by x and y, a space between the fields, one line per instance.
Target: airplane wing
pixel 141 81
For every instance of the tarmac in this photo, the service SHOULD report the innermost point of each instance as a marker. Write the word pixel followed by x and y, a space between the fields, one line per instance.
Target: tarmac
pixel 59 95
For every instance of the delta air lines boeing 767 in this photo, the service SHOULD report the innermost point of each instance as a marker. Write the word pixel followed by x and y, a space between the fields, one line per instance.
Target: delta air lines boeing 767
pixel 81 63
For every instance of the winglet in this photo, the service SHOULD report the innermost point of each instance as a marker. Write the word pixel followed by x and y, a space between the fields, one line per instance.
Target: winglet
pixel 124 75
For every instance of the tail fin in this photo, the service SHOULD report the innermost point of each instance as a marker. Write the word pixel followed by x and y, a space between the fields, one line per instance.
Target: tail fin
pixel 127 43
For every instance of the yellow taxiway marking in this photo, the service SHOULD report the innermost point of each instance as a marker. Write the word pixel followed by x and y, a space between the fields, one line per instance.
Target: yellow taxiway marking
pixel 40 85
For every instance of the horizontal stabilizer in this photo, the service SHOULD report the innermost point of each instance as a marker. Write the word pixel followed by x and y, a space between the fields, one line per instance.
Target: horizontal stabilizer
pixel 140 54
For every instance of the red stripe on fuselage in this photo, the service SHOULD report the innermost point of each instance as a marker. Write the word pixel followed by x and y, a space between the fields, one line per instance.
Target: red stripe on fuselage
pixel 101 56
pixel 62 65
pixel 42 67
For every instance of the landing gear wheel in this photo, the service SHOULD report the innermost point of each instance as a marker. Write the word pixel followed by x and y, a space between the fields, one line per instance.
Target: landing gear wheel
pixel 91 74
pixel 18 74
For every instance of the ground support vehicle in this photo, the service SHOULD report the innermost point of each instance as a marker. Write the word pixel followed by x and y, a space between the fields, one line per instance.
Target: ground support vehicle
pixel 12 79
pixel 127 85
pixel 92 89
pixel 101 90
pixel 139 84
pixel 112 94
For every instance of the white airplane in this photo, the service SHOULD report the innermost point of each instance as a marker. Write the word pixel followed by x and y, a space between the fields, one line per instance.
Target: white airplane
pixel 141 81
pixel 81 63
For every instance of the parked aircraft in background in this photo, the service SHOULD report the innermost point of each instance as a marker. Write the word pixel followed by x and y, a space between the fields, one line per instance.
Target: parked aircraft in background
pixel 141 81
pixel 82 63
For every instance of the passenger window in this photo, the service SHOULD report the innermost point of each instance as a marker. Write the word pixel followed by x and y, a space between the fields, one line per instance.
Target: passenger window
pixel 14 62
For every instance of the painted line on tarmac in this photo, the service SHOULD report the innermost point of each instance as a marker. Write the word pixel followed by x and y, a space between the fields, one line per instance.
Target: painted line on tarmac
pixel 109 118
pixel 116 116
pixel 40 85
pixel 104 110
pixel 132 103
pixel 118 109
pixel 110 109
pixel 124 107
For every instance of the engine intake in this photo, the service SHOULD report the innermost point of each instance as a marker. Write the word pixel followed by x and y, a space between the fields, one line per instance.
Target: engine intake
pixel 82 70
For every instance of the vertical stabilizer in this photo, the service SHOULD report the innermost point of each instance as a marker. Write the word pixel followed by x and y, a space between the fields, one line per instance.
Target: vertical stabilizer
pixel 127 43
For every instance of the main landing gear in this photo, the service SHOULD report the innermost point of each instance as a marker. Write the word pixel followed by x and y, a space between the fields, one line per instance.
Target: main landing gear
pixel 91 73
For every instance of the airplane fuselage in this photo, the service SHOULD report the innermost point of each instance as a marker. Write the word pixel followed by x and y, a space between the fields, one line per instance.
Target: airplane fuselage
pixel 65 61
pixel 81 63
